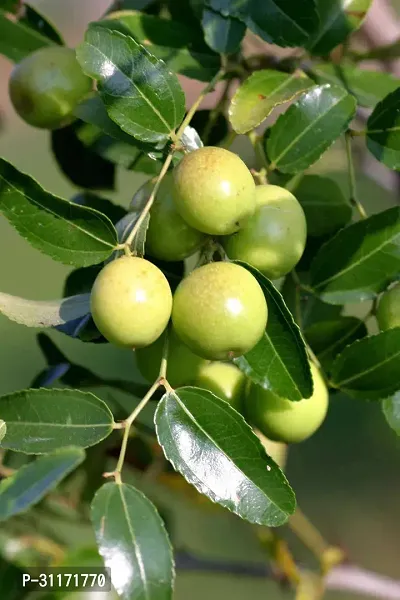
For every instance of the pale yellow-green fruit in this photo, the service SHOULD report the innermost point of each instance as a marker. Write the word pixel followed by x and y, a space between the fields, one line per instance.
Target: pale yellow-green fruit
pixel 182 366
pixel 213 190
pixel 131 302
pixel 219 311
pixel 274 238
pixel 285 421
pixel 388 313
pixel 224 380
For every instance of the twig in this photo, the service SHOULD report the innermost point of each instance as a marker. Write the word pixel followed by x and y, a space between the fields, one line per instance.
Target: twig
pixel 352 178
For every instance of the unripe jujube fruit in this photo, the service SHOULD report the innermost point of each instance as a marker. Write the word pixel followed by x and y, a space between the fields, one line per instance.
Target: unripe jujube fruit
pixel 224 380
pixel 285 421
pixel 182 366
pixel 46 86
pixel 168 236
pixel 213 190
pixel 219 311
pixel 274 238
pixel 131 302
pixel 388 313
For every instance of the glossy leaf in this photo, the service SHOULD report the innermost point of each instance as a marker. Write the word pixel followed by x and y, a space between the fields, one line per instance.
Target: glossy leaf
pixel 17 40
pixel 40 313
pixel 370 368
pixel 39 421
pixel 222 34
pixel 383 131
pixel 3 429
pixel 324 204
pixel 337 20
pixel 71 234
pixel 391 410
pixel 130 534
pixel 309 127
pixel 37 21
pixel 360 260
pixel 140 94
pixel 369 87
pixel 212 446
pixel 33 481
pixel 279 361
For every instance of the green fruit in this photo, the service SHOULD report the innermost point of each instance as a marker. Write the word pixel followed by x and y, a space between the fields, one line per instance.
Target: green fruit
pixel 46 86
pixel 224 380
pixel 274 238
pixel 213 190
pixel 168 236
pixel 182 367
pixel 388 313
pixel 131 302
pixel 219 311
pixel 285 421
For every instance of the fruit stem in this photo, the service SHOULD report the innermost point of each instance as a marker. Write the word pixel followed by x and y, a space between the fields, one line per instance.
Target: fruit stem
pixel 352 178
pixel 164 360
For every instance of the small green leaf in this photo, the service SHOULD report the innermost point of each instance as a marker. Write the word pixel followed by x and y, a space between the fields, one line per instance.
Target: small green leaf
pixel 33 481
pixel 39 313
pixel 324 204
pixel 222 34
pixel 391 410
pixel 140 94
pixel 279 361
pixel 133 543
pixel 38 22
pixel 338 19
pixel 39 421
pixel 329 338
pixel 17 40
pixel 212 446
pixel 369 87
pixel 3 429
pixel 303 133
pixel 360 260
pixel 255 99
pixel 370 368
pixel 71 234
pixel 383 131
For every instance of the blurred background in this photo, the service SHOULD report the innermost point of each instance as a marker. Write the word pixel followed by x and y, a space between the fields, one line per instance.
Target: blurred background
pixel 347 477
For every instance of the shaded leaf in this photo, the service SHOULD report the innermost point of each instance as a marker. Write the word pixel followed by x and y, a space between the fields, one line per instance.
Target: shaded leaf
pixel 391 410
pixel 210 135
pixel 383 131
pixel 17 40
pixel 309 127
pixel 3 429
pixel 214 448
pixel 370 368
pixel 39 421
pixel 222 34
pixel 130 532
pixel 80 281
pixel 33 481
pixel 360 260
pixel 139 92
pixel 114 212
pixel 69 233
pixel 279 361
pixel 38 22
pixel 255 99
pixel 11 577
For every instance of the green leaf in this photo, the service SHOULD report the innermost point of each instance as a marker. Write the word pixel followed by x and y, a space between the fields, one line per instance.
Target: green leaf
pixel 38 22
pixel 303 133
pixel 391 410
pixel 10 6
pixel 114 212
pixel 213 135
pixel 17 40
pixel 279 361
pixel 133 542
pixel 212 446
pixel 369 87
pixel 39 421
pixel 383 131
pixel 255 99
pixel 329 338
pixel 71 234
pixel 222 34
pixel 33 481
pixel 11 577
pixel 338 19
pixel 140 94
pixel 360 260
pixel 3 429
pixel 39 313
pixel 370 368
pixel 324 204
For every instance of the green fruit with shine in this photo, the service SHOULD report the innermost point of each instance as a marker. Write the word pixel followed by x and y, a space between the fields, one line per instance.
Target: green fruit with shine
pixel 213 190
pixel 131 302
pixel 274 238
pixel 284 421
pixel 224 380
pixel 388 313
pixel 219 311
pixel 46 86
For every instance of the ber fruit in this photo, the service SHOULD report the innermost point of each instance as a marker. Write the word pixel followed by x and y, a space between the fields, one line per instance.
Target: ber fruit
pixel 224 380
pixel 388 313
